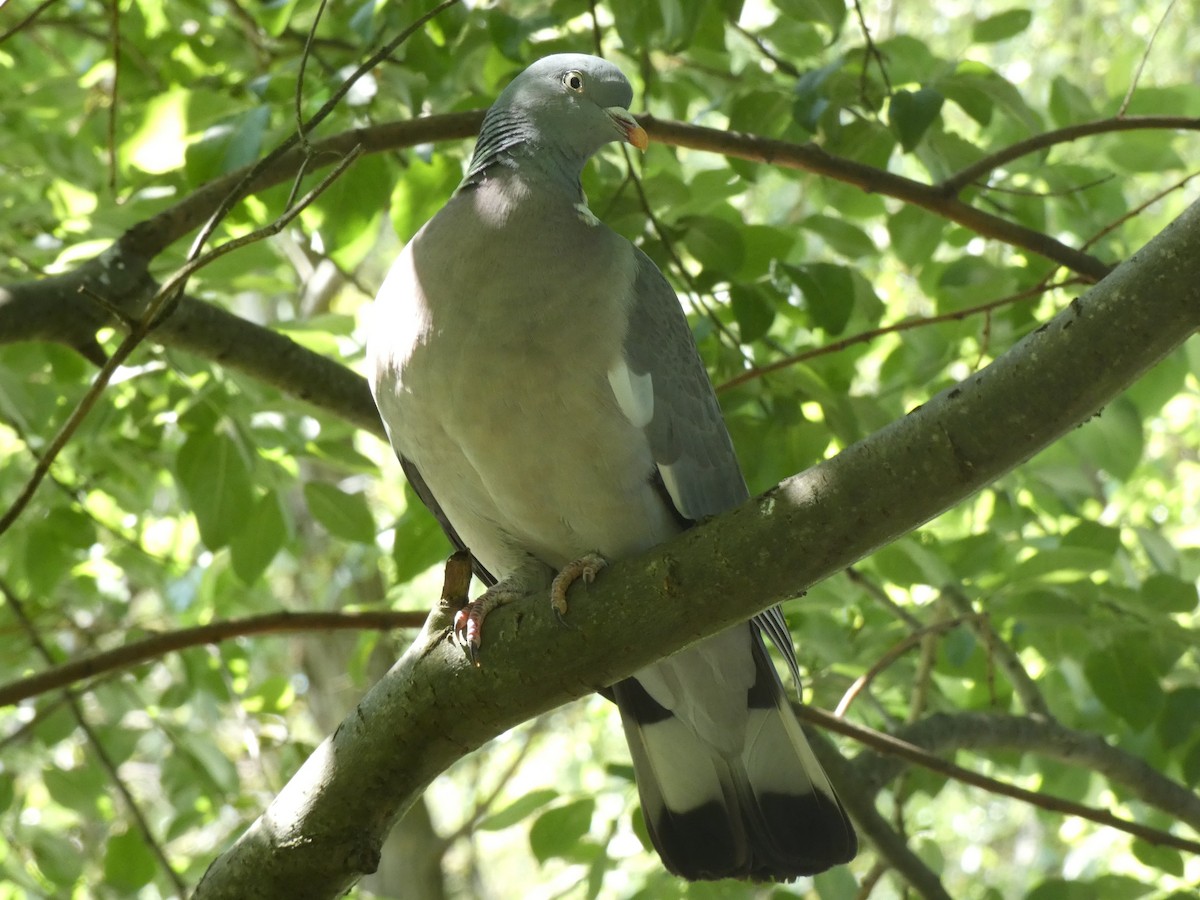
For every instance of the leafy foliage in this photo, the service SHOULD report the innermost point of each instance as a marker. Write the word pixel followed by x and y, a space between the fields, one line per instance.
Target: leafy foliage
pixel 196 491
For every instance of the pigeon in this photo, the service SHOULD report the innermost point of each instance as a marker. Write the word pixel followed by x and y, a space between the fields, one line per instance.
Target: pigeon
pixel 541 387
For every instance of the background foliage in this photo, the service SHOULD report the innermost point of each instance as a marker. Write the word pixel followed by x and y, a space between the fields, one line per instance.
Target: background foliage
pixel 194 494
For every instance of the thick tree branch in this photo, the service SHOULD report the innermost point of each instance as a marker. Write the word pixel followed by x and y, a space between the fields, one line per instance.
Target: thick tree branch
pixel 325 828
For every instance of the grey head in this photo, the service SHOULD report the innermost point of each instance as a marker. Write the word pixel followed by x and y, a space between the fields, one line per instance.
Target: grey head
pixel 556 114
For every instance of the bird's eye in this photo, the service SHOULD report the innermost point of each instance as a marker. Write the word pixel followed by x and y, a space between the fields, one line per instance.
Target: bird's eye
pixel 573 81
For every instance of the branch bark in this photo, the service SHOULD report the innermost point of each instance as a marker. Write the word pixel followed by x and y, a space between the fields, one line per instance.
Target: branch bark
pixel 325 828
pixel 940 733
pixel 59 308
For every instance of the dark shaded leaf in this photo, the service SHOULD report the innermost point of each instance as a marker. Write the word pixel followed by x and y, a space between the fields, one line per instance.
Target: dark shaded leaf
pixel 344 515
pixel 1001 26
pixel 910 113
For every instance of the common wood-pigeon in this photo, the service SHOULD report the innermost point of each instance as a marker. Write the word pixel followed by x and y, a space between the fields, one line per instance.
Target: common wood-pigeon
pixel 541 387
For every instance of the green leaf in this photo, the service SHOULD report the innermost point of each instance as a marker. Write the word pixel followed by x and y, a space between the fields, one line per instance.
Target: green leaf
pixel 716 244
pixel 128 863
pixel 1169 594
pixel 828 294
pixel 517 810
pixel 1112 440
pixel 910 113
pixel 1069 103
pixel 1181 712
pixel 915 235
pixel 276 14
pixel 419 543
pixel 262 536
pixel 848 240
pixel 557 831
pixel 57 857
pixel 1125 683
pixel 1001 26
pixel 1058 889
pixel 754 312
pixel 980 91
pixel 348 213
pixel 1138 152
pixel 344 515
pixel 80 788
pixel 216 481
pixel 1165 859
pixel 1191 766
pixel 228 145
pixel 830 13
pixel 273 695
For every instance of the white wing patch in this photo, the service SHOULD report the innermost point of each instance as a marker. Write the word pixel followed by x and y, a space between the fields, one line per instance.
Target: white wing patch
pixel 670 479
pixel 634 393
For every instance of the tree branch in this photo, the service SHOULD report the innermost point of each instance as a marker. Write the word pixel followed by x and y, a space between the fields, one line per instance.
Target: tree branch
pixel 887 841
pixel 959 180
pixel 811 158
pixel 893 746
pixel 159 645
pixel 989 731
pixel 324 830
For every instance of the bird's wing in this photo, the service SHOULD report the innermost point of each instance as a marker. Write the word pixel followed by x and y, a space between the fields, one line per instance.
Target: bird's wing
pixel 728 783
pixel 696 462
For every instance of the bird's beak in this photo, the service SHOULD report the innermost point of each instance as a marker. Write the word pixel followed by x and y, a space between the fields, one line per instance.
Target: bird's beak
pixel 634 133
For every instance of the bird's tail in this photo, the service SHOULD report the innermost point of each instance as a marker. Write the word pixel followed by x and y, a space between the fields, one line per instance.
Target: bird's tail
pixel 728 783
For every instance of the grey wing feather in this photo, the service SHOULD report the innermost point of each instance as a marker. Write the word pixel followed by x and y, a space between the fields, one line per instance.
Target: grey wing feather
pixel 686 434
pixel 688 438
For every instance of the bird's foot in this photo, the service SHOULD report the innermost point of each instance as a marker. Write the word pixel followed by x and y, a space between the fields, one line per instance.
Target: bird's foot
pixel 587 567
pixel 468 621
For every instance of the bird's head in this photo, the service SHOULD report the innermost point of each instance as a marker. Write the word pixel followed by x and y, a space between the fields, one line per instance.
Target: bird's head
pixel 565 106
pixel 577 101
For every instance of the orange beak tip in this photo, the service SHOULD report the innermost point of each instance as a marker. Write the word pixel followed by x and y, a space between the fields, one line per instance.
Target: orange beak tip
pixel 638 137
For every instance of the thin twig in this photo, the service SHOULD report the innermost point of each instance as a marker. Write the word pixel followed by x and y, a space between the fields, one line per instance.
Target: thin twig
pixel 684 275
pixel 905 325
pixel 1137 75
pixel 934 198
pixel 953 185
pixel 894 653
pixel 1136 211
pixel 780 63
pixel 114 25
pixel 1005 656
pixel 870 52
pixel 106 761
pixel 922 678
pixel 597 41
pixel 165 295
pixel 301 130
pixel 889 844
pixel 37 11
pixel 887 744
pixel 135 653
pixel 1060 192
pixel 880 596
pixel 238 191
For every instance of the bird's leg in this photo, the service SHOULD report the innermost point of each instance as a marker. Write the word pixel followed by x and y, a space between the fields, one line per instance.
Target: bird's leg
pixel 586 567
pixel 456 583
pixel 532 575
